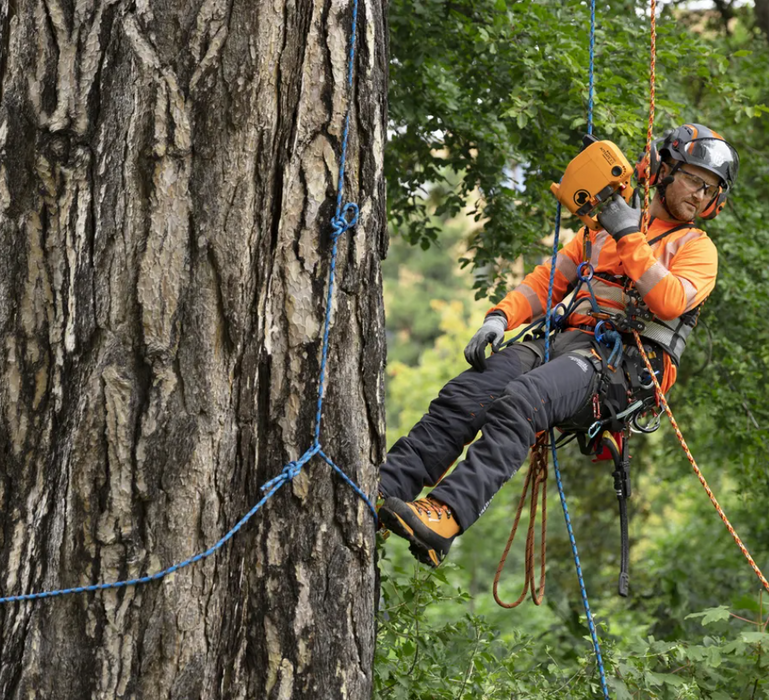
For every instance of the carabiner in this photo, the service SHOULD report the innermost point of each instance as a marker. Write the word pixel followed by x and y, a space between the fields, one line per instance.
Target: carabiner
pixel 598 331
pixel 636 427
pixel 589 276
pixel 650 384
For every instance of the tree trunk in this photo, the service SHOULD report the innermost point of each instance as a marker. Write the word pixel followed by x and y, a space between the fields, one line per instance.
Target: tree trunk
pixel 167 177
pixel 762 15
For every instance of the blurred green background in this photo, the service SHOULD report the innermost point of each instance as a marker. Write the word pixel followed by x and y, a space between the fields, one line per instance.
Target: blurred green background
pixel 488 103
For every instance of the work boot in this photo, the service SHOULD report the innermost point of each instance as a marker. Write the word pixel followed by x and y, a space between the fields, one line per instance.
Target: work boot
pixel 427 524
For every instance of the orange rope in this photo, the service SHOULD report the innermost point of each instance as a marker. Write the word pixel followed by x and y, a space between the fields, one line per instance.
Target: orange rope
pixel 660 396
pixel 537 476
pixel 697 471
pixel 650 128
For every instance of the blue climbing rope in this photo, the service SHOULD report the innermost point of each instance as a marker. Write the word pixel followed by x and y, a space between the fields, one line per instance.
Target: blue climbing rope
pixel 345 218
pixel 584 278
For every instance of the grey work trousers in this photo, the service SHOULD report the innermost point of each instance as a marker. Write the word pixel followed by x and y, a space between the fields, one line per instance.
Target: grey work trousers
pixel 516 397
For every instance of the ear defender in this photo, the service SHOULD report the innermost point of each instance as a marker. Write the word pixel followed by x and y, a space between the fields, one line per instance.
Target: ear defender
pixel 691 144
pixel 654 166
pixel 716 205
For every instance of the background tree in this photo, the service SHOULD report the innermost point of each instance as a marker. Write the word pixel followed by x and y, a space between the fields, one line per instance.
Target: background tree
pixel 488 104
pixel 167 175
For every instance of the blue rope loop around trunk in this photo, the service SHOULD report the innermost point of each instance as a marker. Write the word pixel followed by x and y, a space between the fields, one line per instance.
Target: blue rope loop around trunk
pixel 345 218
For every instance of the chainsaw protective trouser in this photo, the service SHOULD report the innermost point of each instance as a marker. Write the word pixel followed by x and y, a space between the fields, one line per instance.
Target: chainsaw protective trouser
pixel 514 399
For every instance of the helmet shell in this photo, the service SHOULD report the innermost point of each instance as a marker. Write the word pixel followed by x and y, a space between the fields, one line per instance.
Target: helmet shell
pixel 695 144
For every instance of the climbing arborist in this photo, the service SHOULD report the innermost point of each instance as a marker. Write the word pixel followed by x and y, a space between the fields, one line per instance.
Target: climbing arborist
pixel 655 284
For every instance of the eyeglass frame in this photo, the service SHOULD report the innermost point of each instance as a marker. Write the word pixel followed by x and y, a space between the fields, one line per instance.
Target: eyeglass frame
pixel 703 187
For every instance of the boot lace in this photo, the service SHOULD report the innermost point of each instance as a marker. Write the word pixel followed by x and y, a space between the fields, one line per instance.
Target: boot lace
pixel 429 506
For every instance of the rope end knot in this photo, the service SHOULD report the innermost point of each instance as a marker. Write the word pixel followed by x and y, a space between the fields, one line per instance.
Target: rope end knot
pixel 345 220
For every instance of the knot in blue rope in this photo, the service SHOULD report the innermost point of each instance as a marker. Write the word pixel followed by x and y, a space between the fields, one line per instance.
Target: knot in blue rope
pixel 291 470
pixel 344 221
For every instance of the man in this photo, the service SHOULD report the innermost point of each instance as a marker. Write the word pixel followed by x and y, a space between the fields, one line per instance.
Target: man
pixel 513 395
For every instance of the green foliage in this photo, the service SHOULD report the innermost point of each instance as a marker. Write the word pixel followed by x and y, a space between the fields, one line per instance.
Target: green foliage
pixel 485 92
pixel 427 657
pixel 478 88
pixel 421 658
pixel 415 282
pixel 410 389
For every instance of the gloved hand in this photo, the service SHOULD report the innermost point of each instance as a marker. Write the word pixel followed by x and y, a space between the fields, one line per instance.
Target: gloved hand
pixel 492 331
pixel 620 218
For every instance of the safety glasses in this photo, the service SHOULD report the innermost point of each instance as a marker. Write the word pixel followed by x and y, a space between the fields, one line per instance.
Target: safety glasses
pixel 694 183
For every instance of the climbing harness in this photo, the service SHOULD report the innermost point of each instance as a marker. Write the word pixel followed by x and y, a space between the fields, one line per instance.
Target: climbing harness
pixel 645 391
pixel 345 218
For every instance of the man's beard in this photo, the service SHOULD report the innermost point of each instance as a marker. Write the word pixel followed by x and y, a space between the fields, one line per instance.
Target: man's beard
pixel 680 210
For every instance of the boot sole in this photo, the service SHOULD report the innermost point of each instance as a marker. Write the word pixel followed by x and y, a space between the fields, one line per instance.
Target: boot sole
pixel 398 525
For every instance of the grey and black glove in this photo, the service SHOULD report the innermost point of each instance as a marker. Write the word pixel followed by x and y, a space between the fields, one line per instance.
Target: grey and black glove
pixel 492 331
pixel 620 218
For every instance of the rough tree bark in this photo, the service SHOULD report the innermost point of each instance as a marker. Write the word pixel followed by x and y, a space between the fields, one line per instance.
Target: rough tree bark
pixel 167 175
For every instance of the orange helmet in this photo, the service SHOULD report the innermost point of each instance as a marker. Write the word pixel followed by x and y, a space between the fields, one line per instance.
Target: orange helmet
pixel 694 144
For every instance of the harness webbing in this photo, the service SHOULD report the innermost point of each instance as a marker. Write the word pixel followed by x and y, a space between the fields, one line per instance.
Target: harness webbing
pixel 657 239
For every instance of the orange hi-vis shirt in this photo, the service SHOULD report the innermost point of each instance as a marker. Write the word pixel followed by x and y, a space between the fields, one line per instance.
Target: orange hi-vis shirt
pixel 673 276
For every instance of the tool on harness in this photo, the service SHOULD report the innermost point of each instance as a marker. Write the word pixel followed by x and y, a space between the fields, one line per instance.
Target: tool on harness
pixel 649 407
pixel 592 177
pixel 614 446
pixel 596 427
pixel 636 312
pixel 623 489
pixel 606 337
pixel 624 394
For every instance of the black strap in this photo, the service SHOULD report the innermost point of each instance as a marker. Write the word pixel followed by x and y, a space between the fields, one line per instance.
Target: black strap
pixel 657 239
pixel 622 488
pixel 587 246
pixel 624 575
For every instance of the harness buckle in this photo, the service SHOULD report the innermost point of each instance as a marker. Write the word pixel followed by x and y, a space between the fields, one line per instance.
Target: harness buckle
pixel 636 312
pixel 626 323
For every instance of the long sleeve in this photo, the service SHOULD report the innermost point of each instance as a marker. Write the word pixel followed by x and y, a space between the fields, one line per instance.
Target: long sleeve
pixel 683 276
pixel 528 300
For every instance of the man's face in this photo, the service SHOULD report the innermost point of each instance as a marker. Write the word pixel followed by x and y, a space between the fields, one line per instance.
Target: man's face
pixel 690 192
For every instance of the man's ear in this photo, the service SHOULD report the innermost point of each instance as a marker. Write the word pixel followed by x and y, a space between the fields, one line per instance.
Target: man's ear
pixel 665 178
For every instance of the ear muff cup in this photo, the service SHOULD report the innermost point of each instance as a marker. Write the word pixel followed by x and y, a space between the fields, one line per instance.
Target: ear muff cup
pixel 654 166
pixel 674 147
pixel 715 207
